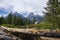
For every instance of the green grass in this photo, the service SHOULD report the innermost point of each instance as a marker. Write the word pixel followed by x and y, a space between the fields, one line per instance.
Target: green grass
pixel 8 25
pixel 42 25
pixel 24 26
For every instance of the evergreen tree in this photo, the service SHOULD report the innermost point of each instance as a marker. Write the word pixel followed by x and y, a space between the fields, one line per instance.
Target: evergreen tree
pixel 34 20
pixel 52 13
pixel 9 18
pixel 2 20
pixel 19 21
pixel 14 20
pixel 27 22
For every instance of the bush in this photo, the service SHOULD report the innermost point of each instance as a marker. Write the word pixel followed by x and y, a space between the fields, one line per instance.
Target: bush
pixel 46 25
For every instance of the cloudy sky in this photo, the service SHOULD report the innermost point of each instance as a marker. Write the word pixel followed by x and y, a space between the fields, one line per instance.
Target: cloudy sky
pixel 36 6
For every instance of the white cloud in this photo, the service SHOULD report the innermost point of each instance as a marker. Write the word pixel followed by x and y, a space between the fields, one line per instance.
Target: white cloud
pixel 0 15
pixel 35 6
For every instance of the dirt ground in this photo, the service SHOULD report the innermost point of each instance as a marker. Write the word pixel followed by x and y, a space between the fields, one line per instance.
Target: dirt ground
pixel 47 38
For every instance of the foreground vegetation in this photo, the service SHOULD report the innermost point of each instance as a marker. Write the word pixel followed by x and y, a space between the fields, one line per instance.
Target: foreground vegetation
pixel 42 25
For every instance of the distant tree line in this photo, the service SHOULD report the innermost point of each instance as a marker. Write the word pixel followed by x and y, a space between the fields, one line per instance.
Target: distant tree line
pixel 14 20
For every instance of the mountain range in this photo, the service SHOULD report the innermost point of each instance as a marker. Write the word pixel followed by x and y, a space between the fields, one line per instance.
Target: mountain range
pixel 30 16
pixel 24 15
